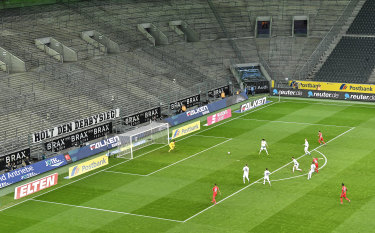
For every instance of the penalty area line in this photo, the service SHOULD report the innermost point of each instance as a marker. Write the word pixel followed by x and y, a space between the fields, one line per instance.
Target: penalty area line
pixel 105 210
pixel 191 156
pixel 125 173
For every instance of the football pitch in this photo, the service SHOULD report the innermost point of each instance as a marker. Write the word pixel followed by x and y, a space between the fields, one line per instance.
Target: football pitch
pixel 159 191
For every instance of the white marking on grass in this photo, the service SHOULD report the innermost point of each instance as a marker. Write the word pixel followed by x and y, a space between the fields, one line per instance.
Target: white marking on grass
pixel 189 157
pixel 257 109
pixel 84 177
pixel 230 119
pixel 104 210
pixel 257 181
pixel 208 136
pixel 292 122
pixel 292 177
pixel 125 173
pixel 319 102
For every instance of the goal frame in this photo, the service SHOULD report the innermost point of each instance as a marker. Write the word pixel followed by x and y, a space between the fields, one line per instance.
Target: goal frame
pixel 139 131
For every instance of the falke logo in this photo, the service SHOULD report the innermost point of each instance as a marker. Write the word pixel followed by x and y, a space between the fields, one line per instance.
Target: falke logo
pixel 203 110
pixel 114 141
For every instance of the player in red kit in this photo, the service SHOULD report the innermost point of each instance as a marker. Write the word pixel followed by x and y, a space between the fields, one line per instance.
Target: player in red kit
pixel 315 160
pixel 343 193
pixel 215 189
pixel 321 138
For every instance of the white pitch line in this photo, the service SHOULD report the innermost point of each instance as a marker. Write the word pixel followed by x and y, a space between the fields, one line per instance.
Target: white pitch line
pixel 104 210
pixel 292 122
pixel 189 157
pixel 208 136
pixel 289 178
pixel 125 173
pixel 79 179
pixel 249 185
pixel 230 119
pixel 343 104
pixel 257 109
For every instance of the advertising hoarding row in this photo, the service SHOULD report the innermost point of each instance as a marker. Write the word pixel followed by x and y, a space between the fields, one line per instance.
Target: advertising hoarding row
pixel 88 166
pixel 324 94
pixel 186 129
pixel 32 170
pixel 253 104
pixel 330 86
pixel 225 114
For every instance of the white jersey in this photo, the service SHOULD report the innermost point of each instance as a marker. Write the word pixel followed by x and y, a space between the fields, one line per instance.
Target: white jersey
pixel 245 170
pixel 266 173
pixel 295 163
pixel 306 144
pixel 312 167
pixel 263 143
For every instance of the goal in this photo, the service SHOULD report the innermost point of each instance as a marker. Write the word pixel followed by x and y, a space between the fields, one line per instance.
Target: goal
pixel 154 133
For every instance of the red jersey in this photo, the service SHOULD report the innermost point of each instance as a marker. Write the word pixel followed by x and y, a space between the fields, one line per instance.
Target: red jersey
pixel 215 189
pixel 320 135
pixel 315 160
pixel 344 189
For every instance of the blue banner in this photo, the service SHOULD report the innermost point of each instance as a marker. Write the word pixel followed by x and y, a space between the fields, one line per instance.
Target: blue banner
pixel 94 148
pixel 29 171
pixel 209 108
pixel 197 112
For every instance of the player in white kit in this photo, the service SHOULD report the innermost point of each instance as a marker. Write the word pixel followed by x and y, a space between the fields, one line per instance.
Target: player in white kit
pixel 267 176
pixel 246 174
pixel 296 165
pixel 263 146
pixel 312 169
pixel 307 147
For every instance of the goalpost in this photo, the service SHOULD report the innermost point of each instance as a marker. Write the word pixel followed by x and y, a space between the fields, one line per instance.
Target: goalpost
pixel 154 133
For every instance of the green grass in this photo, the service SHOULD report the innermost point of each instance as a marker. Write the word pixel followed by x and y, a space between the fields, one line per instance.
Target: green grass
pixel 164 189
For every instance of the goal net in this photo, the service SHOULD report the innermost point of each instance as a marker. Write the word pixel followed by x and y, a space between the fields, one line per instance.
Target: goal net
pixel 154 133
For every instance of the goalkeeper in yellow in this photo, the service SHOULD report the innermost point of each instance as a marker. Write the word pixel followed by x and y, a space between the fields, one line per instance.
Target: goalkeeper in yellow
pixel 172 145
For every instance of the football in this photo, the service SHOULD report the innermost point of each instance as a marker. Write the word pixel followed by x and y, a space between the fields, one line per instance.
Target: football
pixel 228 153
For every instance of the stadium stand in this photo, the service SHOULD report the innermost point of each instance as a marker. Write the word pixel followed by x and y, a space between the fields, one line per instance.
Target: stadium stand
pixel 141 76
pixel 364 22
pixel 352 60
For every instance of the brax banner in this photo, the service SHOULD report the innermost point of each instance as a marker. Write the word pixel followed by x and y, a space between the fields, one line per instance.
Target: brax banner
pixel 15 157
pixel 217 92
pixel 197 112
pixel 34 169
pixel 324 94
pixel 142 117
pixel 76 125
pixel 188 102
pixel 78 138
